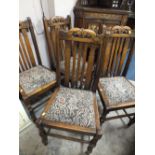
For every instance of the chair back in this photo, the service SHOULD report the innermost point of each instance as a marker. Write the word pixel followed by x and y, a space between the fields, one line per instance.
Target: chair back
pixel 52 26
pixel 118 50
pixel 29 55
pixel 81 48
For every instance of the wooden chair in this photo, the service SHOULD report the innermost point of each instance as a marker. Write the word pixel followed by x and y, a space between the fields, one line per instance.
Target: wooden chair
pixel 116 92
pixel 52 26
pixel 34 78
pixel 73 108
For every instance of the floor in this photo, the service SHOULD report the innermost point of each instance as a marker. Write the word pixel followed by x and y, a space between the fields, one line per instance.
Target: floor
pixel 117 139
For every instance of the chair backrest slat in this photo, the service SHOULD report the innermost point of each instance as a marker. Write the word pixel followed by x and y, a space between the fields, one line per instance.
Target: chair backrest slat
pixel 49 42
pixel 118 55
pixel 114 60
pixel 22 48
pixel 123 56
pixel 131 52
pixel 106 56
pixel 28 45
pixel 82 46
pixel 83 69
pixel 90 67
pixel 67 62
pixel 53 40
pixel 73 76
pixel 34 41
pixel 112 54
pixel 23 58
pixel 79 61
pixel 21 64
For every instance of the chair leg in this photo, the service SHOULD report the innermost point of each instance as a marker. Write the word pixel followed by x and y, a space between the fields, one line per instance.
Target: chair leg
pixel 32 115
pixel 132 121
pixel 42 133
pixel 93 143
pixel 103 117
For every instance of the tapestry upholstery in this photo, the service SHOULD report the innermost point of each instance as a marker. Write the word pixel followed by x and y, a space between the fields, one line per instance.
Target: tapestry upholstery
pixel 73 106
pixel 35 77
pixel 118 90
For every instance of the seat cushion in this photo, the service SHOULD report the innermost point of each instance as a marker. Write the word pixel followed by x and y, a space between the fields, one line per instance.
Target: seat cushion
pixel 73 106
pixel 118 90
pixel 35 77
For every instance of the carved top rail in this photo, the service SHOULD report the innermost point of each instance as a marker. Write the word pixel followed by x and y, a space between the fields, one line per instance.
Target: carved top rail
pixel 59 21
pixel 84 33
pixel 24 25
pixel 81 35
pixel 112 30
pixel 117 29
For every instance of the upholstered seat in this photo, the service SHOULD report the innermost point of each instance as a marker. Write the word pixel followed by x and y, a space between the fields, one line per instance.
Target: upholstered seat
pixel 73 106
pixel 117 90
pixel 35 77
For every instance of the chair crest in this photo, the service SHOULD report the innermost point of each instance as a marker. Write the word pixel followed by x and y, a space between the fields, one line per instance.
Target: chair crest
pixel 84 33
pixel 117 29
pixel 57 19
pixel 121 29
pixel 23 25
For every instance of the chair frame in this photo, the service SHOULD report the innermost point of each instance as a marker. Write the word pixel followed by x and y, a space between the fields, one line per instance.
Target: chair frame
pixel 116 32
pixel 29 99
pixel 42 123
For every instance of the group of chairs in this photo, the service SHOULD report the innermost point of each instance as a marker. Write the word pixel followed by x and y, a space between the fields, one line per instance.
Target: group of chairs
pixel 81 63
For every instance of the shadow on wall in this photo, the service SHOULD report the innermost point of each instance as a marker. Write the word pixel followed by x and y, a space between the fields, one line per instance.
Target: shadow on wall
pixel 131 71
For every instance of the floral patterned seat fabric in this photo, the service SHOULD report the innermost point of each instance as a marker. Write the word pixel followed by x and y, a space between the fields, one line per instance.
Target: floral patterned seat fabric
pixel 35 77
pixel 118 90
pixel 73 106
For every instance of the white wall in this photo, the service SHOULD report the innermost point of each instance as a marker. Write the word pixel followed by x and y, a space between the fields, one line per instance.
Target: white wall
pixel 32 9
pixel 64 8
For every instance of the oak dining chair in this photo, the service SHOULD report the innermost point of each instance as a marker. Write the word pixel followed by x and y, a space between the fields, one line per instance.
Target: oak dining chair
pixel 116 92
pixel 34 78
pixel 73 107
